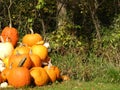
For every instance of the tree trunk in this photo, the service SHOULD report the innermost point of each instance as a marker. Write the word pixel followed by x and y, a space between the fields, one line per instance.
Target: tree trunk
pixel 93 6
pixel 61 14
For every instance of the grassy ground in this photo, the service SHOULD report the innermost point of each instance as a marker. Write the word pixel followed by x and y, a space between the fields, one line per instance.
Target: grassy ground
pixel 73 85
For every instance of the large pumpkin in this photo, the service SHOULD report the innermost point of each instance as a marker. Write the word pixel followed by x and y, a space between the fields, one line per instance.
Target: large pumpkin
pixel 40 50
pixel 19 77
pixel 39 75
pixel 11 34
pixel 14 60
pixel 32 38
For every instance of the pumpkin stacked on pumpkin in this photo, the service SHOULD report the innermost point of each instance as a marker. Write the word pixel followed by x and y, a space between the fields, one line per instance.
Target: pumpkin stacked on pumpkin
pixel 29 61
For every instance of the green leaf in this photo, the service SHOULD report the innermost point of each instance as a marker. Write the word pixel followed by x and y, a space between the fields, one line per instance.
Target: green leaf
pixel 40 4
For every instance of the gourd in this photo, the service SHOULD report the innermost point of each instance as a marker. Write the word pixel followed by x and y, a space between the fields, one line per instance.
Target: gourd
pixel 21 49
pixel 40 50
pixel 17 58
pixel 32 38
pixel 6 48
pixel 10 33
pixel 53 72
pixel 36 60
pixel 39 76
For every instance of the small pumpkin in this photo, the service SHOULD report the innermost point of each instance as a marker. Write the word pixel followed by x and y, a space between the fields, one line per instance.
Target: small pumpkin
pixel 52 71
pixel 16 59
pixel 11 33
pixel 32 38
pixel 21 49
pixel 57 71
pixel 65 77
pixel 6 48
pixel 39 76
pixel 36 60
pixel 40 50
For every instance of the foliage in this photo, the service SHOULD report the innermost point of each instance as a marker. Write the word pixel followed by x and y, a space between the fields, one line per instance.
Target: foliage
pixel 75 48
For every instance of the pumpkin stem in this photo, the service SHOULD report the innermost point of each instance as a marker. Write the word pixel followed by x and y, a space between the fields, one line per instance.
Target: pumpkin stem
pixel 22 62
pixel 9 14
pixel 49 64
pixel 31 30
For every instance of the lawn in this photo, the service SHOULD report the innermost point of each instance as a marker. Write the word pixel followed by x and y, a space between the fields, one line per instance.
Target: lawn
pixel 73 85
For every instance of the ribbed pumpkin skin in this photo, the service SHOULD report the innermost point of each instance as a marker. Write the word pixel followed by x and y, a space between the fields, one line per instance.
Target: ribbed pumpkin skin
pixel 36 61
pixel 5 73
pixel 40 50
pixel 19 77
pixel 51 73
pixel 39 75
pixel 21 50
pixel 16 59
pixel 31 39
pixel 10 33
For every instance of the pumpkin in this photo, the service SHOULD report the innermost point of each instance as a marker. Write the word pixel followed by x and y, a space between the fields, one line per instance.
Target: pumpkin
pixel 65 77
pixel 19 77
pixel 32 38
pixel 40 50
pixel 39 76
pixel 6 48
pixel 1 78
pixel 22 49
pixel 5 61
pixel 36 61
pixel 14 60
pixel 11 33
pixel 57 71
pixel 52 71
pixel 5 74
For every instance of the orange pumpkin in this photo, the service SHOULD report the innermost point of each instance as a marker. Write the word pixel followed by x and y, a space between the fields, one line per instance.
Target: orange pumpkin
pixel 65 77
pixel 57 71
pixel 1 78
pixel 22 49
pixel 36 61
pixel 39 75
pixel 5 73
pixel 32 38
pixel 14 60
pixel 40 50
pixel 19 77
pixel 51 73
pixel 10 33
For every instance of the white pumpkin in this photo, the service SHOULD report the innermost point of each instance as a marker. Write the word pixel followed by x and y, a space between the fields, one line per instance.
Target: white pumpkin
pixel 6 48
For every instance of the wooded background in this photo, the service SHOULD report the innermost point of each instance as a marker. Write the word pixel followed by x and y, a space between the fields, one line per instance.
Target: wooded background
pixel 77 26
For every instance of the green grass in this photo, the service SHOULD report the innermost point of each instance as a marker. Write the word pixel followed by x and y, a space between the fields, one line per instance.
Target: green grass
pixel 74 85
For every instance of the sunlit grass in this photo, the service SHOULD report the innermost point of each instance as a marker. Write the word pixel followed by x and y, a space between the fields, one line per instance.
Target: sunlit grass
pixel 73 85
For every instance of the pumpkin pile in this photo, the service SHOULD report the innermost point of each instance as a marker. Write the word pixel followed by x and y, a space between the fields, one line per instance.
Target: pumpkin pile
pixel 27 63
